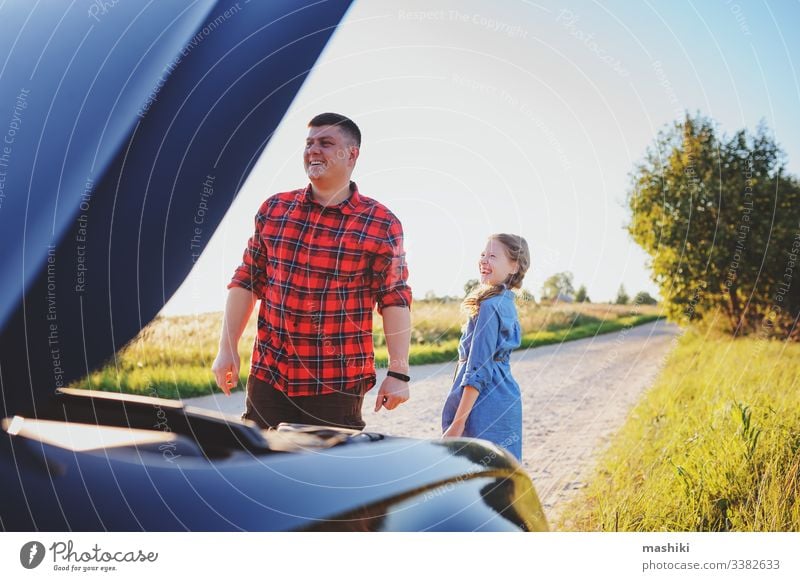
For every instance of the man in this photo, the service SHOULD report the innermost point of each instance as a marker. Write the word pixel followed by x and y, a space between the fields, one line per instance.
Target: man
pixel 320 259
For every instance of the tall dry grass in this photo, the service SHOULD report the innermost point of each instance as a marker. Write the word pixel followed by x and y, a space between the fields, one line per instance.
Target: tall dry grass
pixel 172 356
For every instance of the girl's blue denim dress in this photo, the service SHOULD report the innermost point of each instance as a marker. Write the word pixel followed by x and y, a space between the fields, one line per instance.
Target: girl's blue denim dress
pixel 484 364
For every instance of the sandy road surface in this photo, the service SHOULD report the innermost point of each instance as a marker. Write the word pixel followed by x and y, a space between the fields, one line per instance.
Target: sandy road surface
pixel 575 396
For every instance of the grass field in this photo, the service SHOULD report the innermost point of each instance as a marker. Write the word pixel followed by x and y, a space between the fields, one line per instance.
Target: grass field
pixel 713 446
pixel 172 356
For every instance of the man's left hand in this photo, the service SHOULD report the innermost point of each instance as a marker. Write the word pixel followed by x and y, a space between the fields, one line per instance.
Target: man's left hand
pixel 391 394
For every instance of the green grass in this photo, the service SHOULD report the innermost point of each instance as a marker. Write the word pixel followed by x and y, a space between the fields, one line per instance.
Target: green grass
pixel 448 351
pixel 172 356
pixel 713 446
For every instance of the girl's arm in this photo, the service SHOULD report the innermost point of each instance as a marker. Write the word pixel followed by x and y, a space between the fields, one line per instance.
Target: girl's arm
pixel 478 374
pixel 468 397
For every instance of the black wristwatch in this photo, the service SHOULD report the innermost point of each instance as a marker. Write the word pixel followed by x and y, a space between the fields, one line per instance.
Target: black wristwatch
pixel 400 376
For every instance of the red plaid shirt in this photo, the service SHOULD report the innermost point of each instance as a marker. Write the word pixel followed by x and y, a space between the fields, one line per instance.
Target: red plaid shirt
pixel 319 272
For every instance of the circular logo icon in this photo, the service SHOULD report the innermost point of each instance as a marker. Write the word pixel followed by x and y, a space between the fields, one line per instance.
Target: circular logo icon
pixel 31 554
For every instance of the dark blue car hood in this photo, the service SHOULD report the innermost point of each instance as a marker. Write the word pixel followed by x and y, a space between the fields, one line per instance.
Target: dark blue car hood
pixel 114 125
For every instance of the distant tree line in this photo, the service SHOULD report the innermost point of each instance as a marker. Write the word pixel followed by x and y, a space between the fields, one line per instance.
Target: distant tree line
pixel 558 287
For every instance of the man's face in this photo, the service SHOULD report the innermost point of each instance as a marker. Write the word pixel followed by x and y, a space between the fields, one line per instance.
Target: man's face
pixel 329 156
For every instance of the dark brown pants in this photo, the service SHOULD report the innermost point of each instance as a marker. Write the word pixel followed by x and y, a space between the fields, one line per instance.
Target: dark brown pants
pixel 268 407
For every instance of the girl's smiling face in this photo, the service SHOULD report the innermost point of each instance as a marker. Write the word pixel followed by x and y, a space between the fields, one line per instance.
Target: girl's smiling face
pixel 495 265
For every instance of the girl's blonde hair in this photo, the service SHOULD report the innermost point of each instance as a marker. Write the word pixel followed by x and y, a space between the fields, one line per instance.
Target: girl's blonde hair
pixel 517 250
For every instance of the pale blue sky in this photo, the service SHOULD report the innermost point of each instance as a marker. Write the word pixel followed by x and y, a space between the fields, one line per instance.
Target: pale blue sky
pixel 524 117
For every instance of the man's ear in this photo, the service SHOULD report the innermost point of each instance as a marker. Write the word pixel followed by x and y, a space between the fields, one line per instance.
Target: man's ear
pixel 354 151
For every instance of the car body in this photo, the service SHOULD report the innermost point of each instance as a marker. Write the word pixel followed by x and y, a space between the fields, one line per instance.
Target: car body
pixel 106 153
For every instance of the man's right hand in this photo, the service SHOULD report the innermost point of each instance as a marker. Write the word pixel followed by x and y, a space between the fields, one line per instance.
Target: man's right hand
pixel 226 369
pixel 238 306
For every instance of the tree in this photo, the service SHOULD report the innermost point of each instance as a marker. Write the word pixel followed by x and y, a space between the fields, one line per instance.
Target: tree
pixel 470 285
pixel 622 296
pixel 526 297
pixel 644 298
pixel 718 218
pixel 581 296
pixel 558 284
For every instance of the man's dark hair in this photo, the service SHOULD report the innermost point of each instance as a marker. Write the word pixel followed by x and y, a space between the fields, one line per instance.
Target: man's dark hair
pixel 346 125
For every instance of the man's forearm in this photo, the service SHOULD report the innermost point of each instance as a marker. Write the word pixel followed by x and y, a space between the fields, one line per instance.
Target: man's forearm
pixel 397 329
pixel 238 308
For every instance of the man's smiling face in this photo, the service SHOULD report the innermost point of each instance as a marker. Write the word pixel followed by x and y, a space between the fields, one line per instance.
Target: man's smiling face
pixel 329 156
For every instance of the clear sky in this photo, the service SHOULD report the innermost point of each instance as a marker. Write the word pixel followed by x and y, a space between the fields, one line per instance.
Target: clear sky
pixel 525 117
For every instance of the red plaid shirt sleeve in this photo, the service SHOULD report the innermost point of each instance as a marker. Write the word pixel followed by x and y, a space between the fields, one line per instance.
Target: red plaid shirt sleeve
pixel 390 272
pixel 251 273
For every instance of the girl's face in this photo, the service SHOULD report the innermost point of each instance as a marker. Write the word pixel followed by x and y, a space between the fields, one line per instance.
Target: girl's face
pixel 495 265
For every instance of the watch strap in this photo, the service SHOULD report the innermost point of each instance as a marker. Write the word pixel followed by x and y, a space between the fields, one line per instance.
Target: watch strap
pixel 400 376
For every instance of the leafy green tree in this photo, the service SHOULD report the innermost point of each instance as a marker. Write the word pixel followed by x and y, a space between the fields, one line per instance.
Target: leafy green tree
pixel 470 285
pixel 622 296
pixel 526 297
pixel 581 296
pixel 644 298
pixel 559 283
pixel 719 219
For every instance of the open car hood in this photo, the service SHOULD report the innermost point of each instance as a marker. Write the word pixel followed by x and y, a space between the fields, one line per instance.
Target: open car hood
pixel 115 124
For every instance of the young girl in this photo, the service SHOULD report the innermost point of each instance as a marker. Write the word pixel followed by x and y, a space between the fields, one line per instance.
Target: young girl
pixel 484 401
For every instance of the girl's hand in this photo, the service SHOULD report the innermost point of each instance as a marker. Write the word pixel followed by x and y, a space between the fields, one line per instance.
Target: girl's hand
pixel 468 398
pixel 456 430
